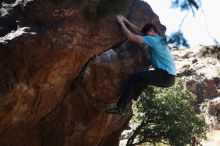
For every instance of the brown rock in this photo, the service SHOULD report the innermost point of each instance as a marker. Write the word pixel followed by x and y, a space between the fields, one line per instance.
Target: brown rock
pixel 59 73
pixel 204 89
pixel 194 61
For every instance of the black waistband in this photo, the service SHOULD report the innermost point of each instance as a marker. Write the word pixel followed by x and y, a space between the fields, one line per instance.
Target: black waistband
pixel 164 71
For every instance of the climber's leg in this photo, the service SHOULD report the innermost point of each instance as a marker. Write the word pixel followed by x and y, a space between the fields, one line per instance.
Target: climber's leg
pixel 137 82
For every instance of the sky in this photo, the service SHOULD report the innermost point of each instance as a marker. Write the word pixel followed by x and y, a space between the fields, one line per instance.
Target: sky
pixel 198 29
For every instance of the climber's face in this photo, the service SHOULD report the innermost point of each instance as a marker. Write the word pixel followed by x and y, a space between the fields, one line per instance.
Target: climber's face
pixel 151 32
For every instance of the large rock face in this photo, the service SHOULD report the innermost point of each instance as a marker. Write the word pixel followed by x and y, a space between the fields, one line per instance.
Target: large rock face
pixel 58 73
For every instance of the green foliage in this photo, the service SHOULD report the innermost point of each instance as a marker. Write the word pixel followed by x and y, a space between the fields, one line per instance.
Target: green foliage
pixel 104 9
pixel 178 39
pixel 166 116
pixel 185 4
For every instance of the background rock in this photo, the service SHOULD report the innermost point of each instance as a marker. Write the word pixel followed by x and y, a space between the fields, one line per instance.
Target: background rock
pixel 200 68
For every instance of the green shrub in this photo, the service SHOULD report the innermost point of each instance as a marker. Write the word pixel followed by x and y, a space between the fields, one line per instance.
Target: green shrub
pixel 166 115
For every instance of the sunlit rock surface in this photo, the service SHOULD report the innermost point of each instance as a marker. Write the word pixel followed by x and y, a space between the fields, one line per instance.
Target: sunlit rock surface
pixel 58 73
pixel 200 68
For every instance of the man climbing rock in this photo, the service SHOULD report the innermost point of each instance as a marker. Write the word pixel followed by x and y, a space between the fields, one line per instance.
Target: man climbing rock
pixel 164 71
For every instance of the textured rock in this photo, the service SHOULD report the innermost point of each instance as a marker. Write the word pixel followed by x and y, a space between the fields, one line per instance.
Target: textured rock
pixel 199 66
pixel 211 111
pixel 58 73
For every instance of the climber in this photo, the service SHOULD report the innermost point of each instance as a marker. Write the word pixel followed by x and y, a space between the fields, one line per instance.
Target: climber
pixel 164 71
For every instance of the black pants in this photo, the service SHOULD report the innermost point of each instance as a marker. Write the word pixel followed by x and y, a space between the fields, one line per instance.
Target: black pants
pixel 139 81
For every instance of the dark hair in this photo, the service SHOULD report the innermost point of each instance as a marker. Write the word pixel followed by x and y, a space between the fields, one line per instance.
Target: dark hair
pixel 147 28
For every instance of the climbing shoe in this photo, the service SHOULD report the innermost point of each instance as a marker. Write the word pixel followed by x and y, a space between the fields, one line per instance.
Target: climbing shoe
pixel 114 110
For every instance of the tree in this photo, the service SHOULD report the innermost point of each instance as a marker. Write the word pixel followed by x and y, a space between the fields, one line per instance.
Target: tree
pixel 166 116
pixel 185 4
pixel 178 39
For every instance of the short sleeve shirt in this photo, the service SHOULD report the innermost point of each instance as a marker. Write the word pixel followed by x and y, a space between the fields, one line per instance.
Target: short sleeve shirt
pixel 160 54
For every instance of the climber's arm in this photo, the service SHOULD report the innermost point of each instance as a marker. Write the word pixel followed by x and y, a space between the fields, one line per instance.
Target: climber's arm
pixel 136 29
pixel 130 36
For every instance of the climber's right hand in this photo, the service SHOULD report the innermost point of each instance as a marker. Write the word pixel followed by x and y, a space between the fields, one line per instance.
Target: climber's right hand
pixel 123 18
pixel 119 19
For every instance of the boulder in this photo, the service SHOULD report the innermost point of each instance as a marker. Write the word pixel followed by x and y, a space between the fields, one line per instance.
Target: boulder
pixel 59 72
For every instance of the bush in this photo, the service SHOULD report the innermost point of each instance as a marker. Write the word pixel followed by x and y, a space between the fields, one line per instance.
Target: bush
pixel 166 116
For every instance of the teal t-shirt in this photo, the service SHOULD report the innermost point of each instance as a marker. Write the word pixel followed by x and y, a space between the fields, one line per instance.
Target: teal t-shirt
pixel 160 54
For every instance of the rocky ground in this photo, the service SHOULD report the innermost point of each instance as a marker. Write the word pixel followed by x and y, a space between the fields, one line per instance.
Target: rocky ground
pixel 213 139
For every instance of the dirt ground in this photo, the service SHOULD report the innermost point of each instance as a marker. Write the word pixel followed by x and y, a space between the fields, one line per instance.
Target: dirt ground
pixel 213 139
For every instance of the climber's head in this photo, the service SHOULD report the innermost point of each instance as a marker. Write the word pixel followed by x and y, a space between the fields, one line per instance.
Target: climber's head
pixel 150 29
